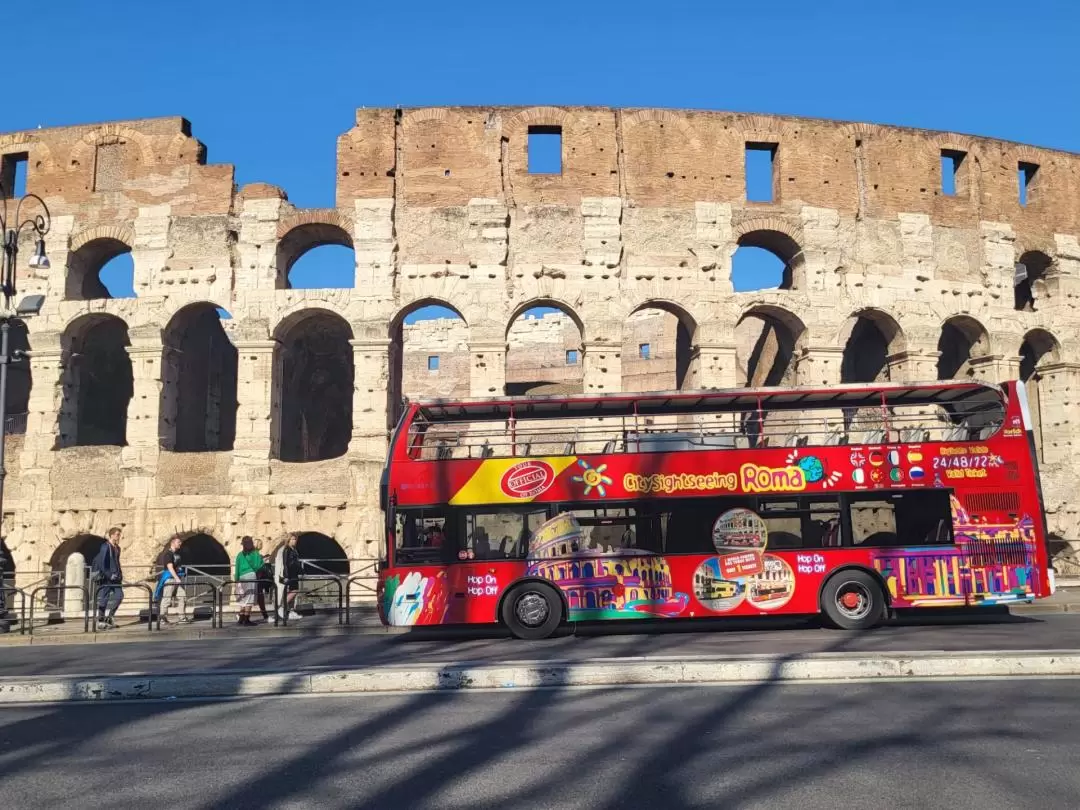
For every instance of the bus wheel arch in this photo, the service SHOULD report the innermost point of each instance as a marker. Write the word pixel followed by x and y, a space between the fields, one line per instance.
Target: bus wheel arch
pixel 532 608
pixel 854 597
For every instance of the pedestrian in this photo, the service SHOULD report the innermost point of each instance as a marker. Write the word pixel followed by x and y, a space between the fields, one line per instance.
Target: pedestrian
pixel 248 564
pixel 7 581
pixel 170 589
pixel 287 569
pixel 107 573
pixel 266 584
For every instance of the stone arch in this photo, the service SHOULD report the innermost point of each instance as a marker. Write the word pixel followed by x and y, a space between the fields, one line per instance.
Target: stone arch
pixel 413 374
pixel 97 381
pixel 667 118
pixel 202 551
pixel 199 366
pixel 323 554
pixel 670 333
pixel 305 231
pixel 1038 348
pixel 181 146
pixel 85 544
pixel 535 116
pixel 109 134
pixel 20 377
pixel 89 251
pixel 777 237
pixel 38 151
pixel 1032 288
pixel 544 354
pixel 418 116
pixel 311 408
pixel 870 337
pixel 767 342
pixel 963 340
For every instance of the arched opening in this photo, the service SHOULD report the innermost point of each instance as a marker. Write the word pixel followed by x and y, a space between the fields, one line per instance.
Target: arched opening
pixel 19 382
pixel 57 598
pixel 544 351
pixel 102 268
pixel 316 256
pixel 873 336
pixel 429 355
pixel 766 340
pixel 202 552
pixel 97 382
pixel 1030 283
pixel 313 387
pixel 198 376
pixel 657 348
pixel 85 544
pixel 322 554
pixel 766 260
pixel 1038 349
pixel 962 340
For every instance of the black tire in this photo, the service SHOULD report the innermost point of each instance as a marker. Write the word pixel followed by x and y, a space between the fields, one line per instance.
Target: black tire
pixel 532 611
pixel 853 600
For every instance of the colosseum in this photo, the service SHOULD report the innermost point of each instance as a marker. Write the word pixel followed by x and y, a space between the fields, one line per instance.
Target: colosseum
pixel 221 400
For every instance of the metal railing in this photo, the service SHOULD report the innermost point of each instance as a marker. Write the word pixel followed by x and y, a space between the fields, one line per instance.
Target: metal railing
pixel 258 583
pixel 820 424
pixel 7 591
pixel 96 590
pixel 63 588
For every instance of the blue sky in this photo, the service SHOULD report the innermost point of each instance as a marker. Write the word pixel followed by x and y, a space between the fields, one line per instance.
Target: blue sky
pixel 269 85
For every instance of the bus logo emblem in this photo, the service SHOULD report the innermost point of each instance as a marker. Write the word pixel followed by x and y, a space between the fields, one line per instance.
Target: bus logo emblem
pixel 527 479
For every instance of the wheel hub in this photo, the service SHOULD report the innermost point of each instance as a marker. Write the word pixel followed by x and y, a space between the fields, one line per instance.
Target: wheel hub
pixel 853 600
pixel 532 609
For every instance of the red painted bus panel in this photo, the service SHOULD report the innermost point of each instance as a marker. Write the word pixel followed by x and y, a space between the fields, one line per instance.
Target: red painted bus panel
pixel 998 554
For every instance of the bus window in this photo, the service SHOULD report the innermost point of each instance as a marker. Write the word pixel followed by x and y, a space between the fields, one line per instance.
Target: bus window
pixel 420 536
pixel 501 535
pixel 801 523
pixel 908 519
pixel 607 530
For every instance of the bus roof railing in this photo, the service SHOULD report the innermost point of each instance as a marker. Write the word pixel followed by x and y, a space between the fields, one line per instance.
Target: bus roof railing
pixel 649 403
pixel 749 418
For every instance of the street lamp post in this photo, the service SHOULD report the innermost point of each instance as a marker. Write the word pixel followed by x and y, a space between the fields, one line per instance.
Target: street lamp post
pixel 31 305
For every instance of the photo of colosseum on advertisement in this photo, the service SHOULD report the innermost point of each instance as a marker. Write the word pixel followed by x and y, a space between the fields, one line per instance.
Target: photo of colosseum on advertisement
pixel 218 397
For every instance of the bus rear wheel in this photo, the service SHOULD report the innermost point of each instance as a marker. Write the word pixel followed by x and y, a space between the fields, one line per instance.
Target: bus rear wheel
pixel 853 600
pixel 532 611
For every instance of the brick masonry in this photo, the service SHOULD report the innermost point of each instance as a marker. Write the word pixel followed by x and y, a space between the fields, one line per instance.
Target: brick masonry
pixel 439 207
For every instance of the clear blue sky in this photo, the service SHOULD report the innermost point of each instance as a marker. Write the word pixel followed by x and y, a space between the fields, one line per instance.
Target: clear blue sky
pixel 269 85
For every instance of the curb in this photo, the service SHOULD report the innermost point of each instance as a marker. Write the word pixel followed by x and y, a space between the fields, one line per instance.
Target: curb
pixel 542 674
pixel 141 635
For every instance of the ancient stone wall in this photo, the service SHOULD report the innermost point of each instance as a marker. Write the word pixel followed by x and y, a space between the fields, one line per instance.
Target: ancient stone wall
pixel 887 277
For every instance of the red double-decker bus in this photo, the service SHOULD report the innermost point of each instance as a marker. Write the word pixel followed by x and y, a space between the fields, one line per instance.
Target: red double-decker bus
pixel 853 501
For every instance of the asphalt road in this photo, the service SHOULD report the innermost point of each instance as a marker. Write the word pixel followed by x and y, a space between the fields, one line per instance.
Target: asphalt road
pixel 1047 632
pixel 978 745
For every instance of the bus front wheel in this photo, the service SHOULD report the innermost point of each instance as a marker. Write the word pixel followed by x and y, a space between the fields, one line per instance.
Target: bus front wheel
pixel 853 600
pixel 532 611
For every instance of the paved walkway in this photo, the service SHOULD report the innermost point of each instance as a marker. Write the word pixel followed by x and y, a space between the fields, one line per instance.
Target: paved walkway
pixel 252 653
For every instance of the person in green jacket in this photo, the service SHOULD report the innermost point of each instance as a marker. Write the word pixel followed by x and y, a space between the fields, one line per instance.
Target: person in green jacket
pixel 248 563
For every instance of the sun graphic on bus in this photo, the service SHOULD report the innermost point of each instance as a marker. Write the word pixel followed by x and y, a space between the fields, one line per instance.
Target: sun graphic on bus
pixel 592 477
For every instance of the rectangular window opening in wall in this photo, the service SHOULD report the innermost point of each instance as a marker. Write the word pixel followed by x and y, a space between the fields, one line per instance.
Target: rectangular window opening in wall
pixel 760 172
pixel 13 174
pixel 1025 174
pixel 953 173
pixel 545 150
pixel 571 357
pixel 644 351
pixel 433 362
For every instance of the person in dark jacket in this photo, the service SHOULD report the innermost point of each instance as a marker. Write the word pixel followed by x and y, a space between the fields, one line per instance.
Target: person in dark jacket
pixel 7 580
pixel 108 573
pixel 289 567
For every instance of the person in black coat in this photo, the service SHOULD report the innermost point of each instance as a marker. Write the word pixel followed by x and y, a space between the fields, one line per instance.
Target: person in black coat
pixel 108 573
pixel 7 580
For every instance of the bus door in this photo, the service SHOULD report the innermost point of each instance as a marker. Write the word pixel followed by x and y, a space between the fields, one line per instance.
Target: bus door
pixel 492 552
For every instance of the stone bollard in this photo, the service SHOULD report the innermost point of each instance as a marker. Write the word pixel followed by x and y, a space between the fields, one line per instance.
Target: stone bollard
pixel 74 574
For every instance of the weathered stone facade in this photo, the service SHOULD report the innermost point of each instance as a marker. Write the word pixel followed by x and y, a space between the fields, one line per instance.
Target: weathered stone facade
pixel 130 417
